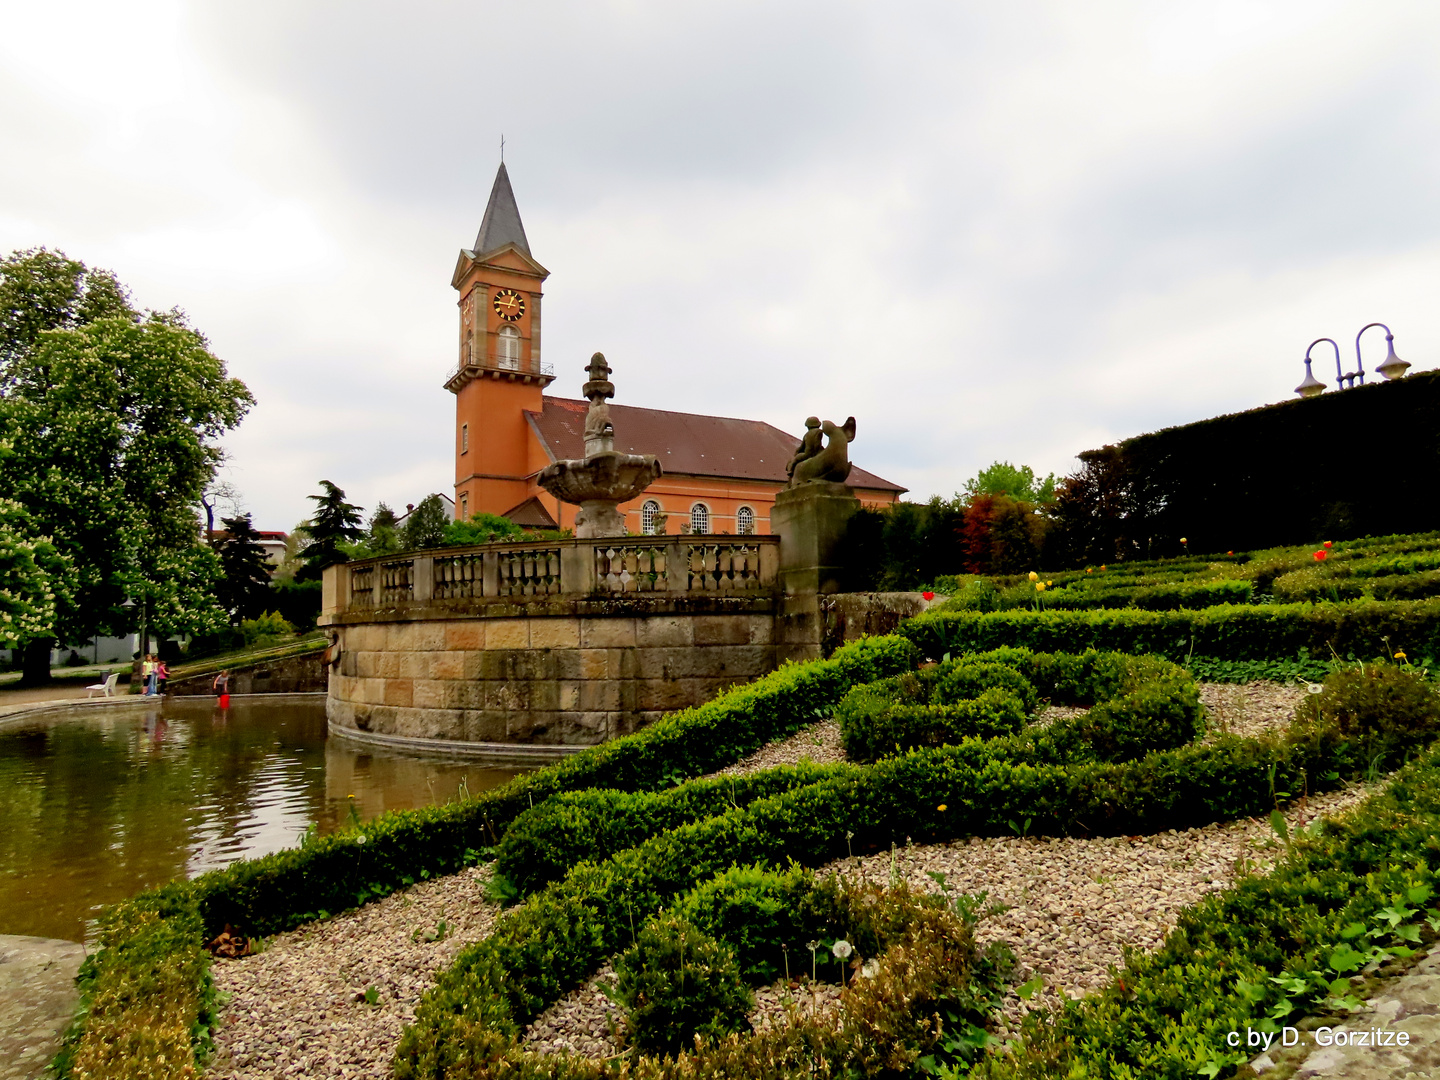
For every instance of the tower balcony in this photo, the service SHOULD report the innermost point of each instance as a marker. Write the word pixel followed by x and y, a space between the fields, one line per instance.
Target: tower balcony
pixel 499 367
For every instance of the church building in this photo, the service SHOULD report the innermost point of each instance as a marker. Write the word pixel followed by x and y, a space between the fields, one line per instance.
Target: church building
pixel 720 474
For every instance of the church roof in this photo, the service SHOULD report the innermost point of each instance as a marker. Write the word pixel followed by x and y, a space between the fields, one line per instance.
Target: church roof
pixel 501 223
pixel 685 443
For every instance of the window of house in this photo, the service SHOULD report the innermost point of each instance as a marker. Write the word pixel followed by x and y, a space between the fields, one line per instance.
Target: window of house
pixel 464 438
pixel 745 521
pixel 464 507
pixel 648 515
pixel 507 348
pixel 699 518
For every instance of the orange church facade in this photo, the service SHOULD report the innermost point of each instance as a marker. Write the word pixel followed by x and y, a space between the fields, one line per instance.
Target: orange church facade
pixel 720 474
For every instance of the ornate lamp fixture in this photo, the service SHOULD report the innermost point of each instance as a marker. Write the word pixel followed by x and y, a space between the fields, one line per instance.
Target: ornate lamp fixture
pixel 1393 367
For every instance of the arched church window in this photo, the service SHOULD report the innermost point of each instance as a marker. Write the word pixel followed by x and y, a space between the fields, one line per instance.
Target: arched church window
pixel 507 348
pixel 745 521
pixel 648 514
pixel 699 518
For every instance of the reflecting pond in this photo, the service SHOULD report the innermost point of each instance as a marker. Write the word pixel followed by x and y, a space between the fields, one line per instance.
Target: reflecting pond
pixel 98 805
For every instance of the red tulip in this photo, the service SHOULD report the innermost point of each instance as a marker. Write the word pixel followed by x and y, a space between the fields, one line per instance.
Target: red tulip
pixel 1319 556
pixel 928 595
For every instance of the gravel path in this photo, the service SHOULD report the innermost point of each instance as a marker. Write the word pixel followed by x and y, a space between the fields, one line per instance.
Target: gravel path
pixel 1250 709
pixel 819 743
pixel 1072 906
pixel 298 1008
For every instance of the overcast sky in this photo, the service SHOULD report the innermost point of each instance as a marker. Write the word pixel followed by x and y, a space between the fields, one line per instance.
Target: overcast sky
pixel 989 231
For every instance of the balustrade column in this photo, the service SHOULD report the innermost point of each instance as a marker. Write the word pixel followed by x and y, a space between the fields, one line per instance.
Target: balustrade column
pixel 577 568
pixel 490 574
pixel 677 567
pixel 422 577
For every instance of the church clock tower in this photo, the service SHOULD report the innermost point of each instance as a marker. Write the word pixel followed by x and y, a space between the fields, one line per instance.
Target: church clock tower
pixel 499 375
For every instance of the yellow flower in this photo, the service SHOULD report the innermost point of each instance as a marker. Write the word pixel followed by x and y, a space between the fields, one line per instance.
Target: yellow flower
pixel 1400 655
pixel 1034 576
pixel 1183 540
pixel 1039 586
pixel 942 808
pixel 1048 584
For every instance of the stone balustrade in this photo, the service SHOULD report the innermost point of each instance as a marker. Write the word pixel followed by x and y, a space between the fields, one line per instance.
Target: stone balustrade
pixel 671 566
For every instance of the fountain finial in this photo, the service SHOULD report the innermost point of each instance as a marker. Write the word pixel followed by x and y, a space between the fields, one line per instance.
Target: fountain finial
pixel 599 387
pixel 602 479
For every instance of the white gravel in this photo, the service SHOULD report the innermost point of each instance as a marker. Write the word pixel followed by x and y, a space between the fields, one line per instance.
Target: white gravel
pixel 1072 905
pixel 818 743
pixel 1250 709
pixel 298 1009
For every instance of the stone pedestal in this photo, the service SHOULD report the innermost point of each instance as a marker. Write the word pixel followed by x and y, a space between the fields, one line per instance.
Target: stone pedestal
pixel 811 521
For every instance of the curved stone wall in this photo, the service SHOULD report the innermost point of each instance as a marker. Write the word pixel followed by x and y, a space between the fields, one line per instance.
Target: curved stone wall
pixel 551 672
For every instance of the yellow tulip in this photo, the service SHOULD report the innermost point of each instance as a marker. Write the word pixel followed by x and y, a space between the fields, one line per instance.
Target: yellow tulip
pixel 1034 576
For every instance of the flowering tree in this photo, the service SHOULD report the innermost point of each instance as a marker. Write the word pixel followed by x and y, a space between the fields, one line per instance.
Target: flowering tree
pixel 111 418
pixel 32 576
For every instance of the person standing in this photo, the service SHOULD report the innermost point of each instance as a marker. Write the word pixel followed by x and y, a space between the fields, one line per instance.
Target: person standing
pixel 162 675
pixel 222 688
pixel 146 670
pixel 153 675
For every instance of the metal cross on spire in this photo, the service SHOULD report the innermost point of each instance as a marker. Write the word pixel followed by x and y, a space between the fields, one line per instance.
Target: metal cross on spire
pixel 502 148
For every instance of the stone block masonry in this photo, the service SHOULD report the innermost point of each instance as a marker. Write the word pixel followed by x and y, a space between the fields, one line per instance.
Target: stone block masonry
pixel 553 673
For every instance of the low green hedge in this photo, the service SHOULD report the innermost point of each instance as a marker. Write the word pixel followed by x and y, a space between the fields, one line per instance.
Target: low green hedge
pixel 1163 596
pixel 1264 953
pixel 334 873
pixel 543 843
pixel 559 936
pixel 1256 632
pixel 1136 704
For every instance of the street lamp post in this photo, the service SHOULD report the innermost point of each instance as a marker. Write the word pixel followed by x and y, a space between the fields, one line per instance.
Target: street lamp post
pixel 1393 367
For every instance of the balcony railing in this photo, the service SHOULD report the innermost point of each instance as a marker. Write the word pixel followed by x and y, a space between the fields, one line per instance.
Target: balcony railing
pixel 503 364
pixel 667 565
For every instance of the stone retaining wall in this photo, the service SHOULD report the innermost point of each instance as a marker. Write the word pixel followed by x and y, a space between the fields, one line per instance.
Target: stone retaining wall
pixel 548 672
pixel 302 674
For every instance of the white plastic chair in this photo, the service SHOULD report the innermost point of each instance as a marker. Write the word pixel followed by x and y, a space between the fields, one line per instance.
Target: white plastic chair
pixel 106 688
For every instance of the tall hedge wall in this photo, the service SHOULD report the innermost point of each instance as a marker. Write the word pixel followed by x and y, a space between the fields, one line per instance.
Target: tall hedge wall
pixel 1340 465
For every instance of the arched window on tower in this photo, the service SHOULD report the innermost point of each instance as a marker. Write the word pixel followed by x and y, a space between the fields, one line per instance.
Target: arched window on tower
pixel 507 348
pixel 745 521
pixel 699 518
pixel 649 515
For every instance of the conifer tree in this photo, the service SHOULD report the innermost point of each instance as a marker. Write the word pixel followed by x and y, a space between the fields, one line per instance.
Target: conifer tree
pixel 246 584
pixel 335 521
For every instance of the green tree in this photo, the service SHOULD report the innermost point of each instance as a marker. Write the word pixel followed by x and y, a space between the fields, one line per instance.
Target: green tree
pixel 424 526
pixel 33 576
pixel 382 532
pixel 486 529
pixel 1018 482
pixel 335 523
pixel 245 586
pixel 111 417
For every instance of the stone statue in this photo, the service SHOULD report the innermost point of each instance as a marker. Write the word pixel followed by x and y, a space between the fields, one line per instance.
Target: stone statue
pixel 597 418
pixel 828 463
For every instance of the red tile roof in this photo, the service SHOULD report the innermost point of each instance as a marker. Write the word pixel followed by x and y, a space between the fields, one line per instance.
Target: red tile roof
pixel 685 443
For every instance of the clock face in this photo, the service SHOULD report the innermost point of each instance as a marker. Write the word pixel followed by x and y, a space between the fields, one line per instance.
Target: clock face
pixel 509 304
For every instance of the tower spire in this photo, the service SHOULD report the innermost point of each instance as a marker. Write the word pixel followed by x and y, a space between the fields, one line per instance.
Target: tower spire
pixel 501 223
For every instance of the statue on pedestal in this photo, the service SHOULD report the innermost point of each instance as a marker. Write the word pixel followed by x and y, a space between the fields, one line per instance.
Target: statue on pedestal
pixel 830 462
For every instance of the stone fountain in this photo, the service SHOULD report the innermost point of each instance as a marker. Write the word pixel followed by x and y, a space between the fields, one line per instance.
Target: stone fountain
pixel 603 479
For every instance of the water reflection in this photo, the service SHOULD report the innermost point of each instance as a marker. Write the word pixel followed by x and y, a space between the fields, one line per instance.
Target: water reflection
pixel 94 808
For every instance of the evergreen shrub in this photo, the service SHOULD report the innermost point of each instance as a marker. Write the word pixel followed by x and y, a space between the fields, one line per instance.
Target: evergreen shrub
pixel 678 982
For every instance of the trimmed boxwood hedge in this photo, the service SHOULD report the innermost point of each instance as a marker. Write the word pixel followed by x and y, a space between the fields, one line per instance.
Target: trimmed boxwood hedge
pixel 1168 1014
pixel 559 936
pixel 334 873
pixel 1257 632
